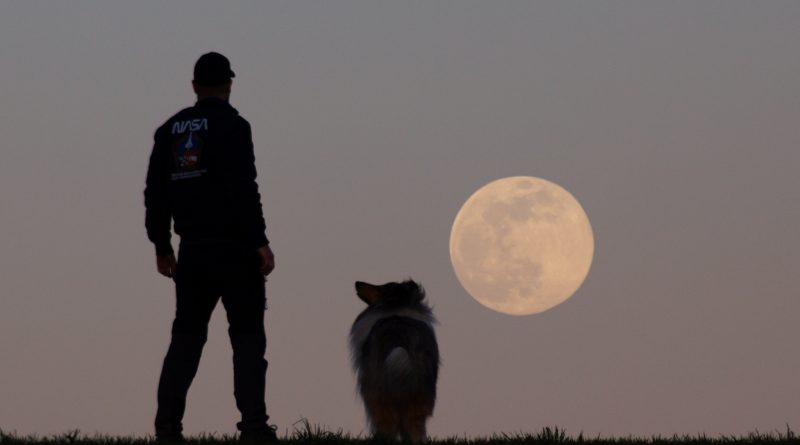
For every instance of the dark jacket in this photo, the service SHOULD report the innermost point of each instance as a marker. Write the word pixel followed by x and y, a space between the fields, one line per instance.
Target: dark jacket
pixel 202 174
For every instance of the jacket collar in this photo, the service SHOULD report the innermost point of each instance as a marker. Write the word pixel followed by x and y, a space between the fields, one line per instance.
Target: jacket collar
pixel 212 101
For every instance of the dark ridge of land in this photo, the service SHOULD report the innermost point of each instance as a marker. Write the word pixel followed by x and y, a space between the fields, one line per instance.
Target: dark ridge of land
pixel 315 435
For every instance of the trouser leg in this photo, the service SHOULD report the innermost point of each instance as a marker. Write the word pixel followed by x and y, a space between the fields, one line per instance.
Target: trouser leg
pixel 244 300
pixel 195 301
pixel 180 367
pixel 249 379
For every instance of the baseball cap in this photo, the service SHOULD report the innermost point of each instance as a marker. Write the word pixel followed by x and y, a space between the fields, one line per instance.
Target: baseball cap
pixel 212 69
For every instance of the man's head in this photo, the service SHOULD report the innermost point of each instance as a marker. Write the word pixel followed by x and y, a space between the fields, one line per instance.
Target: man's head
pixel 213 76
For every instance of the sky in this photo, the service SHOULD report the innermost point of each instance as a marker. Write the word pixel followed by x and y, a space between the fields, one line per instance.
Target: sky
pixel 675 124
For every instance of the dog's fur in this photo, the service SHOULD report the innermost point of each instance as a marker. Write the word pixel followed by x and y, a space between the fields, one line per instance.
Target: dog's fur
pixel 396 359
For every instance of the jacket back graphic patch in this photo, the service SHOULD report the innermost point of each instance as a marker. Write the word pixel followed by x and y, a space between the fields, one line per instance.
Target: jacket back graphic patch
pixel 188 153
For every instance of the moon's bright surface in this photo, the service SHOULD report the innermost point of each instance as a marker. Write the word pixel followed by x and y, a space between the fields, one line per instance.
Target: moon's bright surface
pixel 521 245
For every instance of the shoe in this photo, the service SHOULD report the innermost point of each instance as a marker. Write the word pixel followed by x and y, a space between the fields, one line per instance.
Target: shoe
pixel 265 435
pixel 173 438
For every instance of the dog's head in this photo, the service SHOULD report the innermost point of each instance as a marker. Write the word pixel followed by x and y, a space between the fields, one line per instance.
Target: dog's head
pixel 406 293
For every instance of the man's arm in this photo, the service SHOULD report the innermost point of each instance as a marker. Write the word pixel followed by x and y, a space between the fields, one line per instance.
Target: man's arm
pixel 267 259
pixel 243 189
pixel 158 216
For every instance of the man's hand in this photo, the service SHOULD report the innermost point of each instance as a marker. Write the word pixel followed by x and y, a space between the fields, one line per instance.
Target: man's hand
pixel 267 260
pixel 166 265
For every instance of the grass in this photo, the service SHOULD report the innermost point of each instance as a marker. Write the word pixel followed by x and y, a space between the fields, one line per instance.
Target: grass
pixel 305 433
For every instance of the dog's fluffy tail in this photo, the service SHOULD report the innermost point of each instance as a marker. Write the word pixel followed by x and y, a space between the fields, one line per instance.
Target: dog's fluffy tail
pixel 398 364
pixel 401 374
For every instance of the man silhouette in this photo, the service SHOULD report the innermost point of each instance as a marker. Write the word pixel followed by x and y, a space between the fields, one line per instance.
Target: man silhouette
pixel 202 175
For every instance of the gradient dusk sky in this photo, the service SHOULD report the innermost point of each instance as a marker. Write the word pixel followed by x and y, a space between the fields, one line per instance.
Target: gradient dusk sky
pixel 676 124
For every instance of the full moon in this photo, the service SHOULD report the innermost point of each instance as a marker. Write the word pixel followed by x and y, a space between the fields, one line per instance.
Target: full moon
pixel 521 245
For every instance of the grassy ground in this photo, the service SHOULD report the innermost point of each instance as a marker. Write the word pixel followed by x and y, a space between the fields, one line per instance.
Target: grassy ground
pixel 314 435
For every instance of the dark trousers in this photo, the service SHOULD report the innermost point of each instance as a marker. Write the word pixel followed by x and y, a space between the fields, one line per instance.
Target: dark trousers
pixel 205 273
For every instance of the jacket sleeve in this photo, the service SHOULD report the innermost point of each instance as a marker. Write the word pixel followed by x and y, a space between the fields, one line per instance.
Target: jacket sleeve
pixel 158 217
pixel 243 188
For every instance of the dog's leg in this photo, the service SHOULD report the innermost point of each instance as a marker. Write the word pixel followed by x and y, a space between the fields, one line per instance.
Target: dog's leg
pixel 415 429
pixel 384 420
pixel 414 420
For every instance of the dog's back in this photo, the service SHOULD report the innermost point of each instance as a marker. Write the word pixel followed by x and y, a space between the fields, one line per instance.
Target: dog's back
pixel 396 357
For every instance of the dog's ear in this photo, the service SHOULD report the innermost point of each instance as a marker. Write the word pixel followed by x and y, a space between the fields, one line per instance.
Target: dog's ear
pixel 368 293
pixel 414 290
